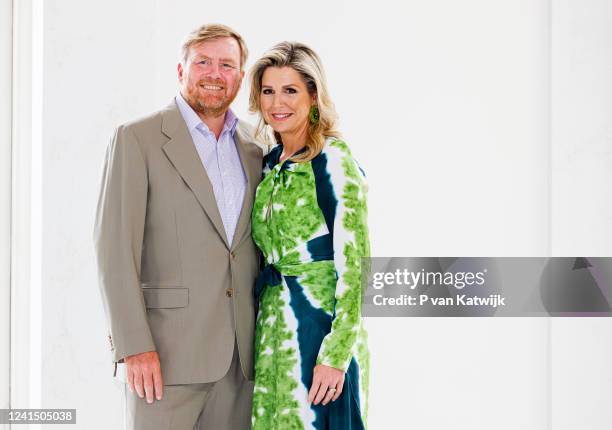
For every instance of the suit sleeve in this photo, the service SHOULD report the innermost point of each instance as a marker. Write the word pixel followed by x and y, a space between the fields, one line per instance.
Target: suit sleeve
pixel 351 244
pixel 118 238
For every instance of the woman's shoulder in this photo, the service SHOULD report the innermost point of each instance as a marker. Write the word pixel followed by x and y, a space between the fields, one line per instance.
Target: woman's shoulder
pixel 336 147
pixel 339 156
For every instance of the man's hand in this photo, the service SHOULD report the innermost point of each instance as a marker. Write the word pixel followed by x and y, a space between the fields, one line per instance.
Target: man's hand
pixel 144 375
pixel 327 384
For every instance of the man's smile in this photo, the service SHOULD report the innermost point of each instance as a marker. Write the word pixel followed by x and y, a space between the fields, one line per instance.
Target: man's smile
pixel 212 87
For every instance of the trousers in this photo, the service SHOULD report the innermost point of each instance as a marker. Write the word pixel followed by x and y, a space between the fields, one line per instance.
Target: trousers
pixel 221 405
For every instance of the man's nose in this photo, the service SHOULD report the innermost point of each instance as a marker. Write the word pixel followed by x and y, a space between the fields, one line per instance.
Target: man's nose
pixel 214 71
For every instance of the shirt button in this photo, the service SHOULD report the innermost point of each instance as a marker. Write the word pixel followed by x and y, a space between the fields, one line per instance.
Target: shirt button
pixel 229 292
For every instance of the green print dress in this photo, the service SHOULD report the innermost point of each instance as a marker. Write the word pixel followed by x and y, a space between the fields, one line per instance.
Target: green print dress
pixel 309 220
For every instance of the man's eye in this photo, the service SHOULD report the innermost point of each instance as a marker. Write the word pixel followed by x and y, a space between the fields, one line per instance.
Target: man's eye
pixel 267 91
pixel 228 66
pixel 204 62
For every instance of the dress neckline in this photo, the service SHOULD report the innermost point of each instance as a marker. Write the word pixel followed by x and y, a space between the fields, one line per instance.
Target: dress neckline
pixel 288 162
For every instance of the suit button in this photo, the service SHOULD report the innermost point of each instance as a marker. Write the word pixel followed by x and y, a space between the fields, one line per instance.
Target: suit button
pixel 229 292
pixel 232 255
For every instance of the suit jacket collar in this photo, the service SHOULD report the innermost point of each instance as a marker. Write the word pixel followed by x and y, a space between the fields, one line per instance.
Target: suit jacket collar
pixel 251 162
pixel 183 155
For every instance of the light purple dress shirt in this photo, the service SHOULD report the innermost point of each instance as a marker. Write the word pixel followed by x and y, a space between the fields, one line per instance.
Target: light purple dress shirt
pixel 222 163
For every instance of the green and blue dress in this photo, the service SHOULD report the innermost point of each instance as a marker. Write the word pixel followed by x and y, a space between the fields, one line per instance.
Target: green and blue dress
pixel 310 222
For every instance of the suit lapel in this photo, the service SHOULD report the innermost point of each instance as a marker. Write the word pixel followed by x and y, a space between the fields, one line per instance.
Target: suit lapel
pixel 183 155
pixel 251 164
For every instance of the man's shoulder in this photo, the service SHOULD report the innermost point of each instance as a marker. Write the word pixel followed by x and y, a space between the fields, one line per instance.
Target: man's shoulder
pixel 147 130
pixel 246 130
pixel 145 123
pixel 249 135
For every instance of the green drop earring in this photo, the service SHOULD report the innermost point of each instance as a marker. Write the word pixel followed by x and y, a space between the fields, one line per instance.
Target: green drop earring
pixel 313 115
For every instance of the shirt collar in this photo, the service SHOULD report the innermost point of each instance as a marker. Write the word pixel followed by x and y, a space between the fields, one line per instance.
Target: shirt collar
pixel 193 120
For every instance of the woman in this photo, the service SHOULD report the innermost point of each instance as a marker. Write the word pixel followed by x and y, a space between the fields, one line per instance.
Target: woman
pixel 309 220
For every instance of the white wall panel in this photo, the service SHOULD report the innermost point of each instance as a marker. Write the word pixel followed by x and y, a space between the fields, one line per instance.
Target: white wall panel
pixel 6 64
pixel 582 202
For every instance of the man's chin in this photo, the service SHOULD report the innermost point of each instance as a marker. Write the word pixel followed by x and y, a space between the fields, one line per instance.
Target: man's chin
pixel 212 102
pixel 212 108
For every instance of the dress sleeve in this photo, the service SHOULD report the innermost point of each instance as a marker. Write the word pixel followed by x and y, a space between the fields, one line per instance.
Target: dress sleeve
pixel 351 244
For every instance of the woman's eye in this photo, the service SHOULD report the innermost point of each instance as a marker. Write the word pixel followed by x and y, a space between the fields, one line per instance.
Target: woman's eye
pixel 291 91
pixel 267 91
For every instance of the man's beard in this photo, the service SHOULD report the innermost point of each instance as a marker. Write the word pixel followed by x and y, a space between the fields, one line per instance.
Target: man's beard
pixel 218 106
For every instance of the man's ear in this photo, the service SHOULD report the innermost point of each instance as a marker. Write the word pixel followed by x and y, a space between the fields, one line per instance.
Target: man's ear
pixel 179 70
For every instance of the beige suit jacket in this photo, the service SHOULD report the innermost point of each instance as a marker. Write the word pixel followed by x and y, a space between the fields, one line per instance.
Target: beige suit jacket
pixel 169 279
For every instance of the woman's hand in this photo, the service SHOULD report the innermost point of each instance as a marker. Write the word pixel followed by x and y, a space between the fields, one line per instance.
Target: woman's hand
pixel 324 380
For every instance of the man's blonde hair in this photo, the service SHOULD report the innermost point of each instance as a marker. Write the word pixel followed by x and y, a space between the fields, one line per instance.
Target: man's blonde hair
pixel 210 32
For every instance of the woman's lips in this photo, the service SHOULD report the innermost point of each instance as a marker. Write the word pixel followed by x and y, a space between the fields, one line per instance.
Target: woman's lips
pixel 281 116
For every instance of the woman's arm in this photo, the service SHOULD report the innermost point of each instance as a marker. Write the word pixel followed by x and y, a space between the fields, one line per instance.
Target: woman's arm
pixel 351 244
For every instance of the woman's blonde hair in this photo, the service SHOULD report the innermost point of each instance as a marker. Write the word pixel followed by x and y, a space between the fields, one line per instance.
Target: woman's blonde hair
pixel 307 63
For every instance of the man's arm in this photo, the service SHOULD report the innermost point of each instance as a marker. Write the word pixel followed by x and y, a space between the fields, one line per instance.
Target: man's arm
pixel 118 237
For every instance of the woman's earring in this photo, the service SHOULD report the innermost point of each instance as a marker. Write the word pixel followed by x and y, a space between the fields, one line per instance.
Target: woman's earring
pixel 313 115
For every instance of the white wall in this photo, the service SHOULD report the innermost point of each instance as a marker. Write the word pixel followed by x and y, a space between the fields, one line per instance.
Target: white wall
pixel 469 107
pixel 582 202
pixel 448 110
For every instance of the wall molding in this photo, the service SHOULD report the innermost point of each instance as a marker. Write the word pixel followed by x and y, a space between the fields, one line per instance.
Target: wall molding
pixel 6 61
pixel 25 281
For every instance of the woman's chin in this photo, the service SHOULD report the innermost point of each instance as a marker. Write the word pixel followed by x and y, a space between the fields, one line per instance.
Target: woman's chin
pixel 286 128
pixel 279 128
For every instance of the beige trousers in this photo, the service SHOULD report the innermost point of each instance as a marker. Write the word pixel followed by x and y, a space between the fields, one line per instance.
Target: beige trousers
pixel 221 405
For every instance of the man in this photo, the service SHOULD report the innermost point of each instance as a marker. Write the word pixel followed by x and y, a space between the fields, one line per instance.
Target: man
pixel 176 259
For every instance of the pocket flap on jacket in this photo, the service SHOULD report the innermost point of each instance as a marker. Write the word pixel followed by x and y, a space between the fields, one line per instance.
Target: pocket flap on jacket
pixel 164 298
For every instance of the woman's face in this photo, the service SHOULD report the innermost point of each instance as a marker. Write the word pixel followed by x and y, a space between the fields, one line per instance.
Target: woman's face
pixel 284 101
